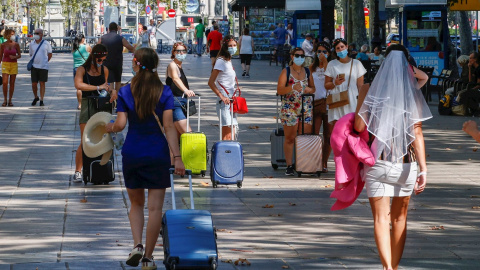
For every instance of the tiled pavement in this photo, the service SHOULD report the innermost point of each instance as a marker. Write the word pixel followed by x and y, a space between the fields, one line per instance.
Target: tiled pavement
pixel 49 222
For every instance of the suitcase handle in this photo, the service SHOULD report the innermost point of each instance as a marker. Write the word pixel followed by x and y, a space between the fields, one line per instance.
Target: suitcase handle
pixel 189 173
pixel 188 113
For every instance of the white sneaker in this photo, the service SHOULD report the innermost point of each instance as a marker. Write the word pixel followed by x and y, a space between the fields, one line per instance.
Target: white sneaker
pixel 77 177
pixel 135 256
pixel 148 264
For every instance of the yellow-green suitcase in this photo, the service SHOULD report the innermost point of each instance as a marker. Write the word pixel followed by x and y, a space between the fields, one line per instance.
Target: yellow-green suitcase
pixel 193 147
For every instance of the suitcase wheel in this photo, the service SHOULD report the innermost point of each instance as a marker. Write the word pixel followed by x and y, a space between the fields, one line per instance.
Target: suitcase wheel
pixel 214 183
pixel 172 265
pixel 203 173
pixel 275 166
pixel 239 184
pixel 299 174
pixel 318 174
pixel 213 264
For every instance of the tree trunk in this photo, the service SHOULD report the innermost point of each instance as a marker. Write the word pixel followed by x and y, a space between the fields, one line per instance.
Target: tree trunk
pixel 359 35
pixel 465 29
pixel 328 20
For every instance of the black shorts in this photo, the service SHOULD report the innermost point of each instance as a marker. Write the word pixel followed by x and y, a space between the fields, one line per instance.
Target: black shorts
pixel 39 75
pixel 213 54
pixel 115 74
pixel 245 58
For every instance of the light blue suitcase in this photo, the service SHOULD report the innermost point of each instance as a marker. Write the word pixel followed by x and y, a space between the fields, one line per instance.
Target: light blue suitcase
pixel 189 238
pixel 226 167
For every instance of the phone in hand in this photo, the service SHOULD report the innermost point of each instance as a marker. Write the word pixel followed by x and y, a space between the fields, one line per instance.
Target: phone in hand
pixel 341 76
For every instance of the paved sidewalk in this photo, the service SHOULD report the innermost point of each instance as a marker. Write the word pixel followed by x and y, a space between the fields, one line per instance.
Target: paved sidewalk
pixel 49 222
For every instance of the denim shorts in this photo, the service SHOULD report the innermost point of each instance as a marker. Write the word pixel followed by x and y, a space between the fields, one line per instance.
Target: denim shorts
pixel 177 108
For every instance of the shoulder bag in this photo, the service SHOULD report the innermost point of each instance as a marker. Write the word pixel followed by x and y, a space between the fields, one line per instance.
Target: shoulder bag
pixel 30 63
pixel 239 102
pixel 340 99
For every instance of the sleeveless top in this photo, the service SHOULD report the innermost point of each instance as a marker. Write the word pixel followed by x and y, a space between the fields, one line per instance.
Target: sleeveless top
pixel 93 80
pixel 7 53
pixel 80 56
pixel 175 90
pixel 113 42
pixel 246 47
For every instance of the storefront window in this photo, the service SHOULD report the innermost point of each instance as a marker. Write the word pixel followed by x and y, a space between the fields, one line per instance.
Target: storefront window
pixel 424 30
pixel 307 23
pixel 262 22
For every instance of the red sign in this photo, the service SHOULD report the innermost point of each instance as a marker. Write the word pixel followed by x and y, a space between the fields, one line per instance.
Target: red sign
pixel 161 7
pixel 171 13
pixel 366 11
pixel 190 19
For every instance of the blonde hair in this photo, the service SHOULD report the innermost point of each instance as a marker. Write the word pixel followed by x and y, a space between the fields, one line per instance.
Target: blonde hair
pixel 463 59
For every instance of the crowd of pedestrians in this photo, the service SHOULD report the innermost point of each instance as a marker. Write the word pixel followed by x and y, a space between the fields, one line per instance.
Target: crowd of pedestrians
pixel 385 116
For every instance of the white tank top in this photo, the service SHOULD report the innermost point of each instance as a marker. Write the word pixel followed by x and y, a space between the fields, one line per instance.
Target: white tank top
pixel 246 45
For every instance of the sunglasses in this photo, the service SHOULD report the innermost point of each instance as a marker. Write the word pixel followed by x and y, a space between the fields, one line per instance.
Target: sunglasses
pixel 181 51
pixel 101 60
pixel 322 51
pixel 299 55
pixel 339 40
pixel 36 33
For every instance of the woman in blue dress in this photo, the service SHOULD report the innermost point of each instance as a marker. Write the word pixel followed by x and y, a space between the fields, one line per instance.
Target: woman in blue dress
pixel 145 154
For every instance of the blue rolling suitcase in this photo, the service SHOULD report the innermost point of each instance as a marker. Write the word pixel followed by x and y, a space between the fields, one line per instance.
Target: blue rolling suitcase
pixel 226 167
pixel 189 238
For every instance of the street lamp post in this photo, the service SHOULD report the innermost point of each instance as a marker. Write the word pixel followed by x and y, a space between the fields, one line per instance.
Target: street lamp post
pixel 202 9
pixel 28 2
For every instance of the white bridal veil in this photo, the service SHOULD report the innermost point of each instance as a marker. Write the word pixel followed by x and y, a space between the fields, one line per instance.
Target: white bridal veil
pixel 392 106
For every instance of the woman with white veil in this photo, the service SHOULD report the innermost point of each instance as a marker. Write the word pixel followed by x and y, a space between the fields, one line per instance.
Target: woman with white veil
pixel 392 110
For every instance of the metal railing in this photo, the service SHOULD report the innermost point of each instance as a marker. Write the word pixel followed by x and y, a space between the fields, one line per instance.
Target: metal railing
pixel 59 44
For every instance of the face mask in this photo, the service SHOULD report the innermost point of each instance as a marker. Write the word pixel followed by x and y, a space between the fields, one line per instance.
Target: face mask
pixel 12 38
pixel 342 54
pixel 133 71
pixel 180 57
pixel 298 61
pixel 36 37
pixel 99 65
pixel 232 50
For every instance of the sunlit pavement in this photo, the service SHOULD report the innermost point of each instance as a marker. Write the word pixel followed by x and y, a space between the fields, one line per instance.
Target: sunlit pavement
pixel 49 222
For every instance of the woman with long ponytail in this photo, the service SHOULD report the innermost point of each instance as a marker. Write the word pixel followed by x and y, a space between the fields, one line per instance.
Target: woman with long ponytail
pixel 147 104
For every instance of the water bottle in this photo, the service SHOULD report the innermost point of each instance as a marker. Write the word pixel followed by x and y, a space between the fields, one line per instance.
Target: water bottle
pixel 102 93
pixel 117 138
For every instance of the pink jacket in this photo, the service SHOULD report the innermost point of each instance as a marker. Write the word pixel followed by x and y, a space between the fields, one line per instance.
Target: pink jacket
pixel 351 152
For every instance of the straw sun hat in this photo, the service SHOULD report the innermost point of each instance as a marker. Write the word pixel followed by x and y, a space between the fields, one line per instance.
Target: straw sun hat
pixel 96 140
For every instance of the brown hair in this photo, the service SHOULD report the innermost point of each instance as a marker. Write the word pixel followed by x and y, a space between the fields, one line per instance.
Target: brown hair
pixel 146 85
pixel 8 31
pixel 316 60
pixel 98 51
pixel 224 49
pixel 246 31
pixel 174 48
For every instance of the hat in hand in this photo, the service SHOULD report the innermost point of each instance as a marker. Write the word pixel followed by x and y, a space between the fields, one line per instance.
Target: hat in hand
pixel 96 141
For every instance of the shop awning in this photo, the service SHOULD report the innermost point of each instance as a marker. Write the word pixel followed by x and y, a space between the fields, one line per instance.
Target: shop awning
pixel 293 5
pixel 237 5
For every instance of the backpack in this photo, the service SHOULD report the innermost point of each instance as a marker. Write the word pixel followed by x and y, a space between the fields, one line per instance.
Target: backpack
pixel 445 105
pixel 307 70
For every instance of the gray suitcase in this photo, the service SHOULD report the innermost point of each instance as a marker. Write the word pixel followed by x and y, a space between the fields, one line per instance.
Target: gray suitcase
pixel 309 149
pixel 277 138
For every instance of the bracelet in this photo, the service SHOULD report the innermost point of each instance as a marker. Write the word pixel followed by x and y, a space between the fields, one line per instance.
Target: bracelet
pixel 98 88
pixel 422 173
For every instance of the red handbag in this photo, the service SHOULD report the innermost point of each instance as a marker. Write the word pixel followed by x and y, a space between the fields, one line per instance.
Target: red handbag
pixel 239 103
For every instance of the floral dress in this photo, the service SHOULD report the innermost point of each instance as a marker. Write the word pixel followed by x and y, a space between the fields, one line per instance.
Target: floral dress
pixel 292 104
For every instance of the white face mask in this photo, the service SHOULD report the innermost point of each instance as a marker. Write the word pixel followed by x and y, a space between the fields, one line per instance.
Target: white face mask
pixel 180 57
pixel 12 37
pixel 36 37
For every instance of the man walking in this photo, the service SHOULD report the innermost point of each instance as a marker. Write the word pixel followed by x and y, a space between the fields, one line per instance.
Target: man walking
pixel 307 47
pixel 199 30
pixel 115 43
pixel 39 72
pixel 152 31
pixel 214 43
pixel 280 37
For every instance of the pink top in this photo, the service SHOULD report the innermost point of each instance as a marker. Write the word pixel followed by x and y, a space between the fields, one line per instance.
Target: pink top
pixel 351 153
pixel 7 53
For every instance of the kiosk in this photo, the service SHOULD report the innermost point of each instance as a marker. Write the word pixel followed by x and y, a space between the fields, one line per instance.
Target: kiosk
pixel 307 18
pixel 424 32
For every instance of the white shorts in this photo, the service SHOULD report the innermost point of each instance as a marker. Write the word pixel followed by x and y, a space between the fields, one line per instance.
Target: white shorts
pixel 387 179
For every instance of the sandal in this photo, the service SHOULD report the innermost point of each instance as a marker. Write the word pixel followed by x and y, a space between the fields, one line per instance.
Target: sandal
pixel 10 104
pixel 4 104
pixel 325 170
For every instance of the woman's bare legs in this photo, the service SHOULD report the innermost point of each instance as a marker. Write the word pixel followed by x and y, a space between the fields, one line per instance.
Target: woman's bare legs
pixel 136 216
pixel 227 132
pixel 154 224
pixel 290 135
pixel 381 220
pixel 399 228
pixel 78 154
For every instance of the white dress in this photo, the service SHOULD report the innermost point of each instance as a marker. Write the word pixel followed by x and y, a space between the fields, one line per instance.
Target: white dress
pixel 335 68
